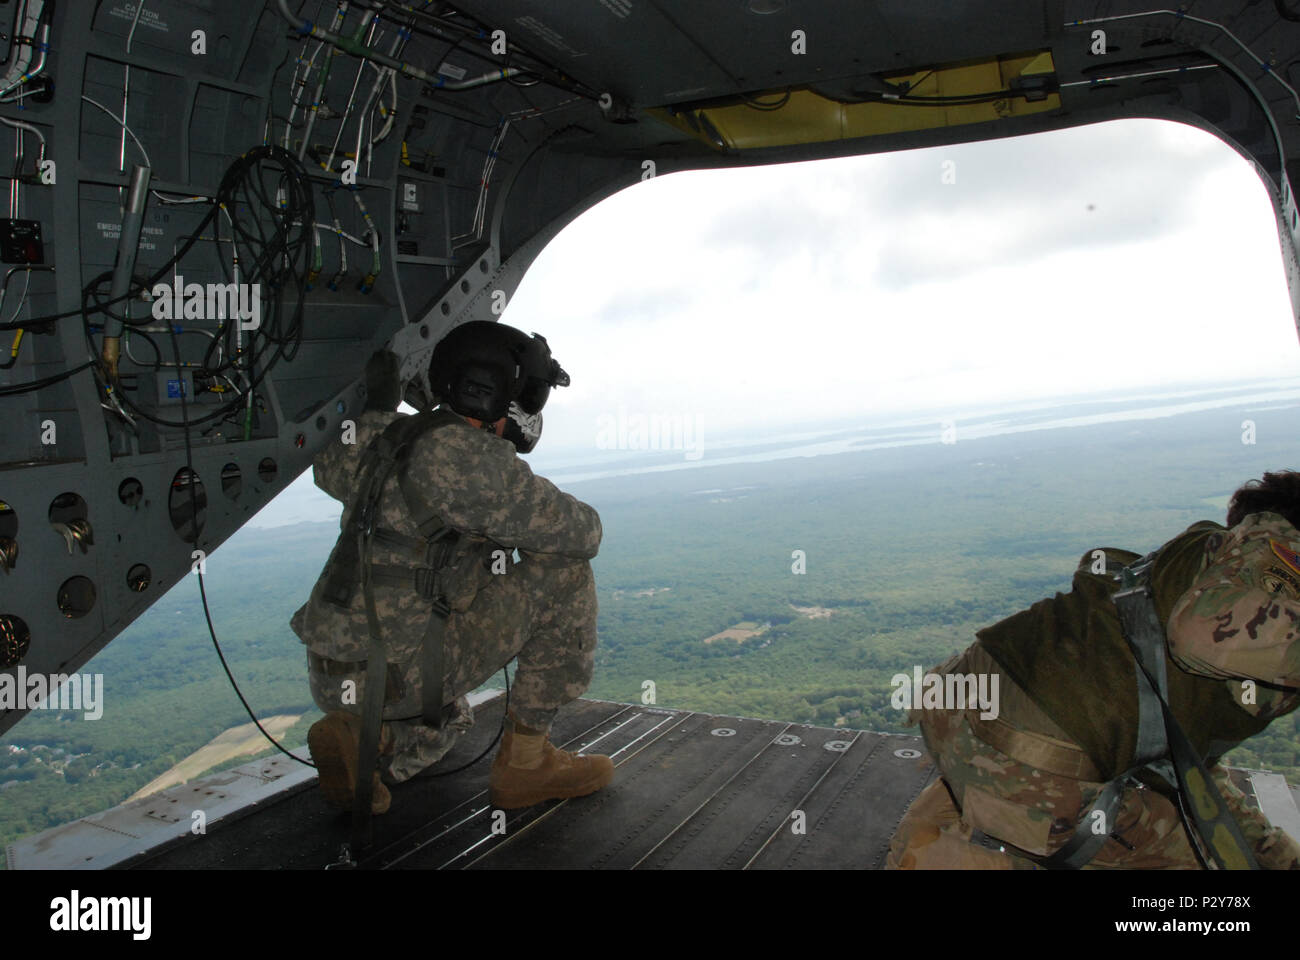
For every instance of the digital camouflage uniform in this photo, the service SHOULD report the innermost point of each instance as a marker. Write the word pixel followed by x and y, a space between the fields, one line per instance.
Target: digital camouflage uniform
pixel 1230 600
pixel 541 609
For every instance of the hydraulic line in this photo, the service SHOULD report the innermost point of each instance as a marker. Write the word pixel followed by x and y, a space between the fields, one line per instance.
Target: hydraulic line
pixel 1224 62
pixel 159 363
pixel 480 208
pixel 12 359
pixel 368 281
pixel 128 243
pixel 350 45
pixel 343 247
pixel 352 95
pixel 398 45
pixel 297 86
pixel 19 126
pixel 29 16
pixel 460 35
pixel 320 83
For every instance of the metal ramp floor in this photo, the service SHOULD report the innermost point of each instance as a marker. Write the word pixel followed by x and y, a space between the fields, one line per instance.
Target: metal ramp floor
pixel 691 790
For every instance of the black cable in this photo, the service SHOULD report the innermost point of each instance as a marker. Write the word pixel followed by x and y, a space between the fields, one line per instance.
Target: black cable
pixel 280 257
pixel 916 83
pixel 1285 13
pixel 13 353
pixel 191 477
pixel 525 77
pixel 130 294
pixel 955 101
pixel 216 246
pixel 223 410
pixel 500 730
pixel 284 246
pixel 157 363
pixel 17 388
pixel 224 666
pixel 102 305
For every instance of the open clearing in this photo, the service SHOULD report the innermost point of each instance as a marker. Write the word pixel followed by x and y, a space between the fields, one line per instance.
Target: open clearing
pixel 235 742
pixel 740 632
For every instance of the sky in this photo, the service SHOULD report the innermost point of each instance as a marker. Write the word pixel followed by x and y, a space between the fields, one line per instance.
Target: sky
pixel 1113 257
pixel 1119 254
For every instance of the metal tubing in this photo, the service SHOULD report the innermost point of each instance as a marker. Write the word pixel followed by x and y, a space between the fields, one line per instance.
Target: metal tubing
pixel 128 242
pixel 357 49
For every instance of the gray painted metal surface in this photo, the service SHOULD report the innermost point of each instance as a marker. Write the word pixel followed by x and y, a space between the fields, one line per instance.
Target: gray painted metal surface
pixel 151 823
pixel 681 798
pixel 1276 801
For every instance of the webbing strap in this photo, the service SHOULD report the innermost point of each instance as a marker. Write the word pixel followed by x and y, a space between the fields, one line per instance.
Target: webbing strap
pixel 372 710
pixel 425 518
pixel 1159 736
pixel 400 541
pixel 385 451
pixel 1211 821
pixel 1216 826
pixel 421 580
pixel 431 666
pixel 440 540
pixel 1145 635
pixel 1092 832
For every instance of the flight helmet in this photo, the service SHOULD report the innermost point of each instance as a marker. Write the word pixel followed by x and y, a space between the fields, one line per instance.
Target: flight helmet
pixel 487 370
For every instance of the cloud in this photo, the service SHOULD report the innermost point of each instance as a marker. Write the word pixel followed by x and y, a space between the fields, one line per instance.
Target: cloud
pixel 782 294
pixel 1010 200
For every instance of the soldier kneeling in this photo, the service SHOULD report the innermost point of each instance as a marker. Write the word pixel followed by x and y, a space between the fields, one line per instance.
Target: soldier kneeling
pixel 437 505
pixel 1097 760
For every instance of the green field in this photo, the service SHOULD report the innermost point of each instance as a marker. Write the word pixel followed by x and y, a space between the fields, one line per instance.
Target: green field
pixel 907 551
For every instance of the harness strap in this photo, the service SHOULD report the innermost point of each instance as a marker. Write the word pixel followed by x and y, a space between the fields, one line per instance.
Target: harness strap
pixel 372 710
pixel 432 666
pixel 424 516
pixel 1092 832
pixel 422 580
pixel 385 452
pixel 1159 740
pixel 1145 636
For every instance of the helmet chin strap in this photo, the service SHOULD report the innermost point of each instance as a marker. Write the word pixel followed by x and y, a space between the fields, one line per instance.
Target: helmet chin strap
pixel 498 427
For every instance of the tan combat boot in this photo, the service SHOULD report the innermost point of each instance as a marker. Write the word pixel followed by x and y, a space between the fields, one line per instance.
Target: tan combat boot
pixel 528 770
pixel 334 742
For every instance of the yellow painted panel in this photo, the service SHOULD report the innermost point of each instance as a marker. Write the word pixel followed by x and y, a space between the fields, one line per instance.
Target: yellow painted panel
pixel 810 118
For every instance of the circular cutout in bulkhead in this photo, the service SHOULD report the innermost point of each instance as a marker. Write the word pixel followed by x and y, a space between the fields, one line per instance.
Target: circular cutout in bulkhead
pixel 187 504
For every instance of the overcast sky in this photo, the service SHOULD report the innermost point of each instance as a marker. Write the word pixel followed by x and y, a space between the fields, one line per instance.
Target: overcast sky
pixel 1125 253
pixel 1121 255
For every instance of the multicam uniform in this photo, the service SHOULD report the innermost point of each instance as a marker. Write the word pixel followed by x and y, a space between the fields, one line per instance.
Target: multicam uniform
pixel 1067 722
pixel 542 609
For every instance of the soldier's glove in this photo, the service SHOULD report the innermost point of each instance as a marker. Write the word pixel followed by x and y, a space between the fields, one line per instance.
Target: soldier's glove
pixel 383 381
pixel 416 397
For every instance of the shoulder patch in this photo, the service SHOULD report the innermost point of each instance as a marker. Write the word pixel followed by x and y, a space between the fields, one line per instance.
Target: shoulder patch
pixel 1287 556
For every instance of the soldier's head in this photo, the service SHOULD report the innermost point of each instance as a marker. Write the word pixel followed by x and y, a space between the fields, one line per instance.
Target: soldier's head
pixel 1276 493
pixel 497 377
